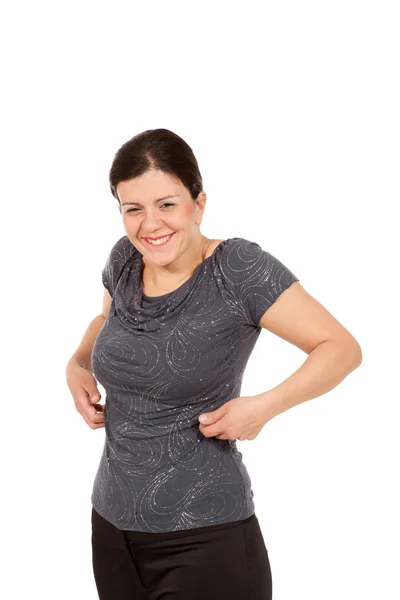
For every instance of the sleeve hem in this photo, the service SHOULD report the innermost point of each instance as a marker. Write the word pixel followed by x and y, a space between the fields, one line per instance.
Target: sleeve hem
pixel 263 310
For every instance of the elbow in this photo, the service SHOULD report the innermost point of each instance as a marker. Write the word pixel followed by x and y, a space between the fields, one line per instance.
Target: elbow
pixel 352 350
pixel 355 352
pixel 359 355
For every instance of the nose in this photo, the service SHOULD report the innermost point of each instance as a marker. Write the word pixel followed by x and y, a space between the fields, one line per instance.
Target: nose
pixel 151 222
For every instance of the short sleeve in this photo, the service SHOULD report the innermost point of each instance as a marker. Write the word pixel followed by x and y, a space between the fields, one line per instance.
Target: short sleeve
pixel 256 278
pixel 117 258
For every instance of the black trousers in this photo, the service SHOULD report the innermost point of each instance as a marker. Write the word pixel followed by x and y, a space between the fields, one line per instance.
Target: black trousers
pixel 220 562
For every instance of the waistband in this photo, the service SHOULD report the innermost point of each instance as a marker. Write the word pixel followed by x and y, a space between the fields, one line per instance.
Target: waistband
pixel 151 536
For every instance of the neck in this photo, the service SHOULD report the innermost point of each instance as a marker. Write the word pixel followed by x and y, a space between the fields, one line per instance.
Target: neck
pixel 163 277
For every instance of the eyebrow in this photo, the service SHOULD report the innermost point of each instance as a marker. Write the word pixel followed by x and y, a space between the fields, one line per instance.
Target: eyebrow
pixel 158 200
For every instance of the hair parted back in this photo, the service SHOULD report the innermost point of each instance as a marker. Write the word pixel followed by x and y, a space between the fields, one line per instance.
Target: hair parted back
pixel 156 149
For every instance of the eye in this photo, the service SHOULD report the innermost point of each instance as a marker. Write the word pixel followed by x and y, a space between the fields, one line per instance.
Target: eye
pixel 161 205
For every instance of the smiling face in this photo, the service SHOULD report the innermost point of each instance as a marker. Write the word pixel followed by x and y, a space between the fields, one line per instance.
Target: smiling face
pixel 148 213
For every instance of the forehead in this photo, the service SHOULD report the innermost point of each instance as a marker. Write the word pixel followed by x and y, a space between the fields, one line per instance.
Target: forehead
pixel 149 187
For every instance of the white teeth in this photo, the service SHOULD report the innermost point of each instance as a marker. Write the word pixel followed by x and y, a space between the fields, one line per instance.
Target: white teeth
pixel 160 241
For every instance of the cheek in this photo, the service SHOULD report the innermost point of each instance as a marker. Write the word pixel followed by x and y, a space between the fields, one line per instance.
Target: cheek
pixel 187 213
pixel 179 219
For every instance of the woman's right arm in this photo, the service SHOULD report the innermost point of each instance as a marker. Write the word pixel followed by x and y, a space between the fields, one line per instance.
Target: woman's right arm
pixel 80 380
pixel 83 353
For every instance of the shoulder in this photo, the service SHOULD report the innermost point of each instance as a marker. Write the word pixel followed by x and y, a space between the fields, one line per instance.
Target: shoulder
pixel 118 256
pixel 226 245
pixel 211 246
pixel 253 276
pixel 248 255
pixel 238 259
pixel 239 253
pixel 122 249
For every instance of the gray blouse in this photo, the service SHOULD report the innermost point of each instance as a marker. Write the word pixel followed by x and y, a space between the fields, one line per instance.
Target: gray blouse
pixel 165 360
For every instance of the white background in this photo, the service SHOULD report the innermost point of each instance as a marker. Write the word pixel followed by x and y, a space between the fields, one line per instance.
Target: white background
pixel 292 110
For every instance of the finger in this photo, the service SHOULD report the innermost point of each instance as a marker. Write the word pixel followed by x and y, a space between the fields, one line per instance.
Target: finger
pixel 97 416
pixel 94 408
pixel 89 421
pixel 210 431
pixel 94 395
pixel 94 415
pixel 96 425
pixel 215 415
pixel 84 405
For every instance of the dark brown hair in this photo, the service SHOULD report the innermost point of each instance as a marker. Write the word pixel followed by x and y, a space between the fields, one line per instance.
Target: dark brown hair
pixel 158 149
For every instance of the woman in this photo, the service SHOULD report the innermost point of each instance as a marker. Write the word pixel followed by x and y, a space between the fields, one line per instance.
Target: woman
pixel 173 513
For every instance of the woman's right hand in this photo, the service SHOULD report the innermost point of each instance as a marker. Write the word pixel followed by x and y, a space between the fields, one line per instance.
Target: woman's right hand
pixel 83 387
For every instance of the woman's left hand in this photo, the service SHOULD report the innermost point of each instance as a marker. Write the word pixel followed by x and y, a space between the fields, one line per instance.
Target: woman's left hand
pixel 241 418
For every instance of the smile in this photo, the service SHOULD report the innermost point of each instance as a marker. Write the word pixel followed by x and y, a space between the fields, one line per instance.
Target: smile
pixel 159 242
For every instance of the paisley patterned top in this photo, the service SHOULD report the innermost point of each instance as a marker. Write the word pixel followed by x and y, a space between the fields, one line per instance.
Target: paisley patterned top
pixel 165 360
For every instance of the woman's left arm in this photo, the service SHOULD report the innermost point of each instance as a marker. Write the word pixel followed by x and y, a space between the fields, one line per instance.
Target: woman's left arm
pixel 333 353
pixel 325 367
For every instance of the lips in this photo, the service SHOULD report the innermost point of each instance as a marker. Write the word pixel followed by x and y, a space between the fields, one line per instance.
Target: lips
pixel 157 238
pixel 149 240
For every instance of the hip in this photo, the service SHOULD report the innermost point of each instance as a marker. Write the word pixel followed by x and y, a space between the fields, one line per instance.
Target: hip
pixel 225 561
pixel 173 497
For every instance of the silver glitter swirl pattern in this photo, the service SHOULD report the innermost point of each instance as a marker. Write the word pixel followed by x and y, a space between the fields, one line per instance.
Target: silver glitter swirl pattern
pixel 165 360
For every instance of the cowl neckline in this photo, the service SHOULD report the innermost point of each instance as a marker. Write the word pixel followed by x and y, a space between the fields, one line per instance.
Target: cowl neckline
pixel 140 312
